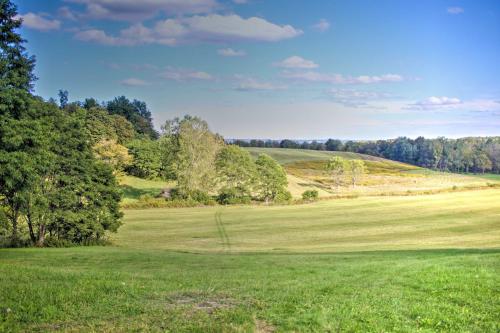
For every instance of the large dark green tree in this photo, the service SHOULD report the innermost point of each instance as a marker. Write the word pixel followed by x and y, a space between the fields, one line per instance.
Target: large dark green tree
pixel 20 138
pixel 136 112
pixel 147 158
pixel 16 67
pixel 49 178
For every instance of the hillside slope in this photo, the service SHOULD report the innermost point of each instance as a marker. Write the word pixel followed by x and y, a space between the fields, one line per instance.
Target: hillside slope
pixel 306 170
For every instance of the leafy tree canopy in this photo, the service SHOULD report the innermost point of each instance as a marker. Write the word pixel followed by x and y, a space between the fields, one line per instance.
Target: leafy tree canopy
pixel 136 112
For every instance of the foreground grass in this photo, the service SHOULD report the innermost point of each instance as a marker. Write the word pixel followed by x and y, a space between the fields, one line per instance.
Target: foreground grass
pixel 117 290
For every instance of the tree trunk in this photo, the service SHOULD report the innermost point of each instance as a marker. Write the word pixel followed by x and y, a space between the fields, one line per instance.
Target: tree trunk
pixel 32 234
pixel 15 237
pixel 41 236
pixel 30 226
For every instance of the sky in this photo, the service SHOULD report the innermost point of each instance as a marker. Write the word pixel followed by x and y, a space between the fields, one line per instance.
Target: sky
pixel 274 69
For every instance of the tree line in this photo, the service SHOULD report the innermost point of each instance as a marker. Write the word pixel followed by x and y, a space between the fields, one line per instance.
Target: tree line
pixel 202 165
pixel 471 154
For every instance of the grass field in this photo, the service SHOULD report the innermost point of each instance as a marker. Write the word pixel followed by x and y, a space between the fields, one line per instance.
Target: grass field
pixel 306 171
pixel 373 264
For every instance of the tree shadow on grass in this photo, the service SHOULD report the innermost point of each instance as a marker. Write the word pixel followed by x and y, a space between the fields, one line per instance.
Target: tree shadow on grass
pixel 130 192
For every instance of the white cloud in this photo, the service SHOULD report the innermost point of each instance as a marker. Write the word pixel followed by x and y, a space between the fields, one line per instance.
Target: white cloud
pixel 355 98
pixel 252 84
pixel 210 28
pixel 66 13
pixel 355 94
pixel 39 22
pixel 296 62
pixel 133 82
pixel 133 10
pixel 179 74
pixel 454 104
pixel 455 10
pixel 434 102
pixel 100 37
pixel 312 76
pixel 376 79
pixel 322 25
pixel 229 52
pixel 240 2
pixel 233 27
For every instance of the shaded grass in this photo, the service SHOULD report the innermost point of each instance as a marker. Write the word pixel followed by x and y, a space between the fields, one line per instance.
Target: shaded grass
pixel 133 188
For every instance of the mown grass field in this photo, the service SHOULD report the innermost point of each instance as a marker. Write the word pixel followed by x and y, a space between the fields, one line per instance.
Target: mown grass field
pixel 374 264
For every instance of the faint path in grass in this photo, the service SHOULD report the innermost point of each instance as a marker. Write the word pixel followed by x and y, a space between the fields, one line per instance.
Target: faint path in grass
pixel 224 238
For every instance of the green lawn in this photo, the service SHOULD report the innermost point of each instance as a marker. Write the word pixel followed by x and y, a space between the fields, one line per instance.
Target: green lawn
pixel 380 264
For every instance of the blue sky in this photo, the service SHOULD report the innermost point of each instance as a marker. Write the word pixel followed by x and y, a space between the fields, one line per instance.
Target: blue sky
pixel 279 68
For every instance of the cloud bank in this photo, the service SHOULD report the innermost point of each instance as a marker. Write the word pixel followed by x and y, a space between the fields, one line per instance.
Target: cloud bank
pixel 213 28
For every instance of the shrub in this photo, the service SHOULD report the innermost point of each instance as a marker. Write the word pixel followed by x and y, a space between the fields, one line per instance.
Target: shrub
pixel 202 197
pixel 310 195
pixel 283 197
pixel 197 197
pixel 232 196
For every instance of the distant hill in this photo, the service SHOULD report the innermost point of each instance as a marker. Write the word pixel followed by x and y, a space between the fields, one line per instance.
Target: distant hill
pixel 306 171
pixel 287 155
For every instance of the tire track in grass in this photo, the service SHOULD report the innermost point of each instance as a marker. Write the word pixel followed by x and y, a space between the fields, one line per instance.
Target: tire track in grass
pixel 224 238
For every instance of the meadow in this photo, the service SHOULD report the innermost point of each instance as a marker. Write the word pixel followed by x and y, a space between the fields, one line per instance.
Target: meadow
pixel 306 171
pixel 426 263
pixel 223 246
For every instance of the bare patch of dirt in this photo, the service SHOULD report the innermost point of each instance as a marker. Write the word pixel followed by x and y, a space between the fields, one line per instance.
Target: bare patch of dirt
pixel 261 326
pixel 208 303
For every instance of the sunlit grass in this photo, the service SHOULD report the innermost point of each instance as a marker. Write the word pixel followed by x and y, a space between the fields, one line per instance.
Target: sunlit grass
pixel 451 220
pixel 373 264
pixel 306 170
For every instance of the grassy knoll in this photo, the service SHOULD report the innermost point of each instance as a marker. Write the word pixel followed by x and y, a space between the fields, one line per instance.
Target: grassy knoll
pixel 373 264
pixel 306 170
pixel 285 155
